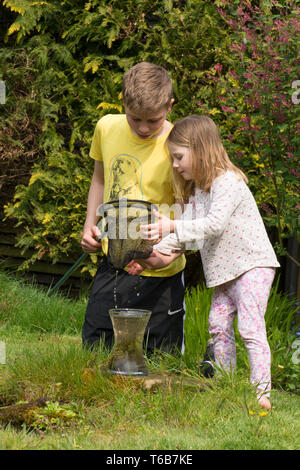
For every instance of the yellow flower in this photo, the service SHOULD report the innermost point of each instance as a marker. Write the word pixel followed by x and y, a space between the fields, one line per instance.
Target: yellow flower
pixel 110 106
pixel 16 8
pixel 263 413
pixel 234 82
pixel 47 218
pixel 94 67
pixel 214 111
pixel 94 258
pixel 34 177
pixel 14 27
pixel 251 412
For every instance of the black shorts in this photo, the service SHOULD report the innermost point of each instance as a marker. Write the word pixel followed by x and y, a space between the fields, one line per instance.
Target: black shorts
pixel 164 296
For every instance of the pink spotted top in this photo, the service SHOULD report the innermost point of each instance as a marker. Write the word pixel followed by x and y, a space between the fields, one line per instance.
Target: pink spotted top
pixel 227 228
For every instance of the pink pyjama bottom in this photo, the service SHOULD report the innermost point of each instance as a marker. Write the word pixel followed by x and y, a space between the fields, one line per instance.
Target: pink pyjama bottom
pixel 247 297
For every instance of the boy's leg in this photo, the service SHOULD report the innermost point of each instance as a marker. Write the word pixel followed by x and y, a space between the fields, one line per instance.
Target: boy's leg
pixel 250 292
pixel 163 296
pixel 221 317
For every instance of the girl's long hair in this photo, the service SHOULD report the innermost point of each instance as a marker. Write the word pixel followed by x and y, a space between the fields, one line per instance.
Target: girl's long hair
pixel 209 157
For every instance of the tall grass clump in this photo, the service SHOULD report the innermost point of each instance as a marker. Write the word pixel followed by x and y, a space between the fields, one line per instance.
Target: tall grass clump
pixel 197 304
pixel 29 308
pixel 279 317
pixel 56 368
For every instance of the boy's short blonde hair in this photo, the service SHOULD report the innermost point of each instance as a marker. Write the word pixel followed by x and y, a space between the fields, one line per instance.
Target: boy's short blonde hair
pixel 147 88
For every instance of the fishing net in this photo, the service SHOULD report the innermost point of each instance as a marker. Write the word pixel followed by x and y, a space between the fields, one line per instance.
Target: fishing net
pixel 122 219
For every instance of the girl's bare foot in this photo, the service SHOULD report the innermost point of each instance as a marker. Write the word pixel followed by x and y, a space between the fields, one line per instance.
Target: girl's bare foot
pixel 265 402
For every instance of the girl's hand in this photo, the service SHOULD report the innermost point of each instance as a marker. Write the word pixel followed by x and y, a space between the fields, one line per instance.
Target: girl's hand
pixel 160 229
pixel 90 239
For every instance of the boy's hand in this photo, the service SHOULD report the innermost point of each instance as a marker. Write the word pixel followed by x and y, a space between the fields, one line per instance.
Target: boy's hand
pixel 160 229
pixel 90 239
pixel 134 268
pixel 155 261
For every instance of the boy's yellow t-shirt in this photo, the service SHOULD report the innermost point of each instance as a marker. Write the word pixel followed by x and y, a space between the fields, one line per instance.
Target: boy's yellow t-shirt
pixel 136 169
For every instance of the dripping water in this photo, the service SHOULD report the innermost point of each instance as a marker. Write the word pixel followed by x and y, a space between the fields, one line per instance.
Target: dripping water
pixel 115 289
pixel 136 287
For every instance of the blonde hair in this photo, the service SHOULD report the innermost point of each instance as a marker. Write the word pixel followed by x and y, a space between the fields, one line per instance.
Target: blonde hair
pixel 147 88
pixel 209 157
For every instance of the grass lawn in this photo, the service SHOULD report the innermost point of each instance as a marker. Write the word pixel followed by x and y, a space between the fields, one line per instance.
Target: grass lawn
pixel 89 409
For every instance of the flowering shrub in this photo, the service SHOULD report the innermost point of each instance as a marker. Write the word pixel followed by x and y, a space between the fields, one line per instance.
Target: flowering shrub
pixel 259 108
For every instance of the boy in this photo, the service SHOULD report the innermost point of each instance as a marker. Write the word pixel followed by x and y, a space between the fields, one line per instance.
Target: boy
pixel 131 161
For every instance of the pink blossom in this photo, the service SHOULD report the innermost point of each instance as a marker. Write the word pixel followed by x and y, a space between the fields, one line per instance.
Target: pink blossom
pixel 239 154
pixel 218 67
pixel 266 208
pixel 227 109
pixel 233 73
pixel 245 119
pixel 279 117
pixel 295 172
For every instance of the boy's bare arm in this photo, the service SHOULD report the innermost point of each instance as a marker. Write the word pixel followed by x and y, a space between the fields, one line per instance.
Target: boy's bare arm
pixel 95 198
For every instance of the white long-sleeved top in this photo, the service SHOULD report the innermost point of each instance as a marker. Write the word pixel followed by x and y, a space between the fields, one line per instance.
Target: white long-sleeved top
pixel 226 226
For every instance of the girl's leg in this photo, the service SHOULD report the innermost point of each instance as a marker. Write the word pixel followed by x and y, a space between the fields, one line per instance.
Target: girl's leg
pixel 250 293
pixel 221 317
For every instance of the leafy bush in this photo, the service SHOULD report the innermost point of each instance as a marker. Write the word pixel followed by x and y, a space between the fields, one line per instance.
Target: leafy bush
pixel 76 53
pixel 233 60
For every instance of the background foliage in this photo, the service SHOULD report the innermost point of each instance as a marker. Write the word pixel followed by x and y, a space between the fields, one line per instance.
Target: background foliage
pixel 62 63
pixel 260 107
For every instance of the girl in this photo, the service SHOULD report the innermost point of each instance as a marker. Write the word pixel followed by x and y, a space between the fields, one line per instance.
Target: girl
pixel 238 260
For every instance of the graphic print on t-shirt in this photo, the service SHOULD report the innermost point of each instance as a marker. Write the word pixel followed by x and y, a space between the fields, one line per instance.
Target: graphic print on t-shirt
pixel 125 178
